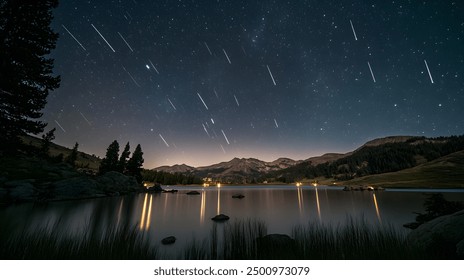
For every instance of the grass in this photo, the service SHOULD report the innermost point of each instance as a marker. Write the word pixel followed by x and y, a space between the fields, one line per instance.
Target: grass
pixel 52 243
pixel 240 239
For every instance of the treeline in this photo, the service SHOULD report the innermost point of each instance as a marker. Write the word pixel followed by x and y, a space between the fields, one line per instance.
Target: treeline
pixel 131 166
pixel 166 178
pixel 369 160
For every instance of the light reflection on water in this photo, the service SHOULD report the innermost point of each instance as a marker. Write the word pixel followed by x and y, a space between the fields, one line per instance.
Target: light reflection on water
pixel 185 216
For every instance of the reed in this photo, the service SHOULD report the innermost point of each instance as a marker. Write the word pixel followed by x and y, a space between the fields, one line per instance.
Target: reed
pixel 53 243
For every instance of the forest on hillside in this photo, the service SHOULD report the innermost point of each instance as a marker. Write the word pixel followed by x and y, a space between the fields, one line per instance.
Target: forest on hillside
pixel 369 160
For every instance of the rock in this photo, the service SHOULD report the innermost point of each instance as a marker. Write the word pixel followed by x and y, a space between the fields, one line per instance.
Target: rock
pixel 193 193
pixel 156 188
pixel 276 246
pixel 442 237
pixel 347 189
pixel 220 218
pixel 170 191
pixel 113 181
pixel 239 196
pixel 168 240
pixel 19 191
pixel 75 188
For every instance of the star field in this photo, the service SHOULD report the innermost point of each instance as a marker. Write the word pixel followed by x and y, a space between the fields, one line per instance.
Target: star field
pixel 199 82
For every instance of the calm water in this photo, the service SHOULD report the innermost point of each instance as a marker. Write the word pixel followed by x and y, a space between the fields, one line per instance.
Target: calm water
pixel 187 216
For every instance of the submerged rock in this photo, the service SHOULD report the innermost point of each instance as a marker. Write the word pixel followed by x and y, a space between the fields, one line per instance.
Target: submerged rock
pixel 168 240
pixel 442 237
pixel 193 193
pixel 220 218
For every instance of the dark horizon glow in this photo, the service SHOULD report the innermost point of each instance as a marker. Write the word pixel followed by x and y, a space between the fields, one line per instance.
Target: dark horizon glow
pixel 200 82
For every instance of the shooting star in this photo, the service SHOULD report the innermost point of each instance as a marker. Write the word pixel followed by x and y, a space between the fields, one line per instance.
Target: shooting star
pixel 272 77
pixel 60 125
pixel 152 65
pixel 354 32
pixel 236 100
pixel 372 73
pixel 135 82
pixel 215 92
pixel 227 140
pixel 172 104
pixel 428 70
pixel 202 101
pixel 204 128
pixel 223 150
pixel 126 42
pixel 167 145
pixel 74 37
pixel 102 37
pixel 275 121
pixel 226 56
pixel 212 121
pixel 206 45
pixel 85 118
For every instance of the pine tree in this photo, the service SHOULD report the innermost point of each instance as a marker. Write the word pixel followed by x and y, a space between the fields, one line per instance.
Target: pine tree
pixel 110 162
pixel 47 139
pixel 71 159
pixel 134 165
pixel 26 77
pixel 124 158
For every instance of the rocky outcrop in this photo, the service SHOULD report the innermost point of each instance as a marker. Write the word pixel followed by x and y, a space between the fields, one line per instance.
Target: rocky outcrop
pixel 220 218
pixel 442 237
pixel 58 188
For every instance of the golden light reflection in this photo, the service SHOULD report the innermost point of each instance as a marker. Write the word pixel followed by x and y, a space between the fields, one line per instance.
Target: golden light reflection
pixel 149 213
pixel 376 208
pixel 142 218
pixel 318 205
pixel 202 207
pixel 219 201
pixel 300 200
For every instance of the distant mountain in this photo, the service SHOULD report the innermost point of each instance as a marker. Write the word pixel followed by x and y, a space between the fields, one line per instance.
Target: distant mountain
pixel 178 168
pixel 241 170
pixel 329 157
pixel 378 156
pixel 444 172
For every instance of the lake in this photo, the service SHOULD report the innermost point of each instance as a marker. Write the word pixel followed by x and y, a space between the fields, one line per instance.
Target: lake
pixel 189 216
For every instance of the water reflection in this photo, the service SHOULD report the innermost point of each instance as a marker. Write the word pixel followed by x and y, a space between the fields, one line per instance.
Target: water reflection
pixel 202 207
pixel 376 208
pixel 219 199
pixel 318 205
pixel 145 218
pixel 300 200
pixel 178 214
pixel 142 217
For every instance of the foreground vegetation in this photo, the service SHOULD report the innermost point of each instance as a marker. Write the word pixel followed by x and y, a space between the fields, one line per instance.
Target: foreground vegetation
pixel 233 240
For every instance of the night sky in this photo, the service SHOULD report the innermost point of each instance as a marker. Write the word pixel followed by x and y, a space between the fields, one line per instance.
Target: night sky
pixel 199 82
